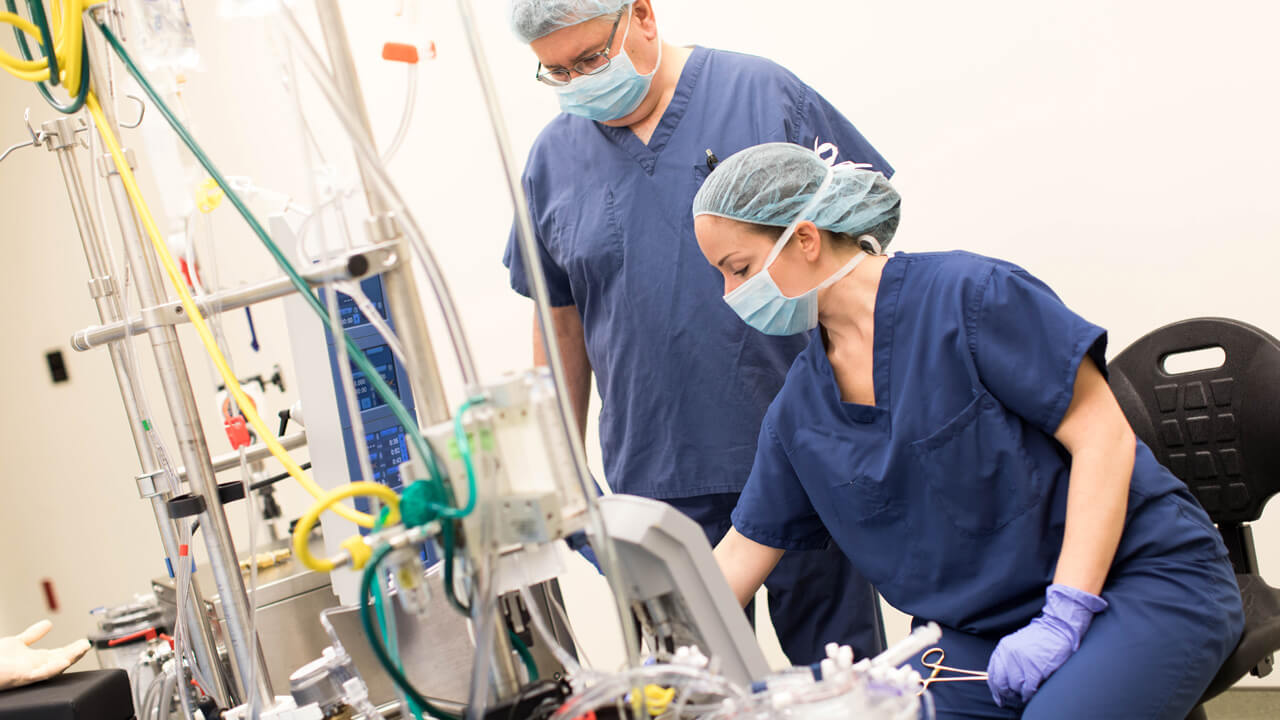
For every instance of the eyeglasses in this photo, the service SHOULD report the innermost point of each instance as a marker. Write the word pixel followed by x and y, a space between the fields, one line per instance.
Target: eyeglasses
pixel 589 65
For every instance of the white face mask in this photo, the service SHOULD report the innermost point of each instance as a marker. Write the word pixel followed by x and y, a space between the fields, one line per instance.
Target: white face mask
pixel 761 304
pixel 612 94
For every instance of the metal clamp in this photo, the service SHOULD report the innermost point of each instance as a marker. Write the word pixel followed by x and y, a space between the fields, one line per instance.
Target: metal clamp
pixel 147 487
pixel 107 164
pixel 101 287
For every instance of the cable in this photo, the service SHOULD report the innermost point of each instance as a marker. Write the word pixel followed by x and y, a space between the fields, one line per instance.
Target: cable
pixel 357 355
pixel 380 650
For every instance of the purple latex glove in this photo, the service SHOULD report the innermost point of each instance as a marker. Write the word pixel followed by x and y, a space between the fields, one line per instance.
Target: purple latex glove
pixel 1023 660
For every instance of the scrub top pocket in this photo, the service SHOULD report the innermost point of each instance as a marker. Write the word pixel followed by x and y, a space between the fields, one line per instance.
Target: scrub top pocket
pixel 978 469
pixel 590 236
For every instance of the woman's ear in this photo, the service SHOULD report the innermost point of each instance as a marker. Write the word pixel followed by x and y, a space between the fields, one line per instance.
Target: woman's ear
pixel 808 238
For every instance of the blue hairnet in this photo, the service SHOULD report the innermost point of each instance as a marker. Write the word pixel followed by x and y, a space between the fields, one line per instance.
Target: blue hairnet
pixel 771 184
pixel 532 19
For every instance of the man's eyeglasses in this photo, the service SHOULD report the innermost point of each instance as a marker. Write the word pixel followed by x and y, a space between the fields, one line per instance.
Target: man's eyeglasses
pixel 589 65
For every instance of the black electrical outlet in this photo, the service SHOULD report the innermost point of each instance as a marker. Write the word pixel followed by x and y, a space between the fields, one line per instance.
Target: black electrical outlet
pixel 57 366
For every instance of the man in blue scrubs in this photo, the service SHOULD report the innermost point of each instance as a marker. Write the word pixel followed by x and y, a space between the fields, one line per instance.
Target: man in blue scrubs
pixel 684 383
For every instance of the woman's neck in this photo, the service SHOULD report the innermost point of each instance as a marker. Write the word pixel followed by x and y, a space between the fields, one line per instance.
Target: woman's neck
pixel 847 308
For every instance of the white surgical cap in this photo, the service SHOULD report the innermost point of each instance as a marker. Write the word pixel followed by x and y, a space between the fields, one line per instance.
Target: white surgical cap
pixel 771 184
pixel 532 19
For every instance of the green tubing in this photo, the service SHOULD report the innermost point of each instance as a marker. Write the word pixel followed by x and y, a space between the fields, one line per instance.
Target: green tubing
pixel 464 450
pixel 380 607
pixel 357 355
pixel 525 656
pixel 38 17
pixel 36 8
pixel 375 640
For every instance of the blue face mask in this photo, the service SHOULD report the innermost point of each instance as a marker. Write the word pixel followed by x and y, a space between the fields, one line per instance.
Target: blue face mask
pixel 761 304
pixel 611 94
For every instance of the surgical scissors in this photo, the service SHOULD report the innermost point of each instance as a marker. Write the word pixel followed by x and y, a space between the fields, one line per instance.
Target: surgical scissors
pixel 937 667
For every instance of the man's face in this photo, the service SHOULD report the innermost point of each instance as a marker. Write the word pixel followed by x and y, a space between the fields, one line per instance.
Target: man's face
pixel 567 47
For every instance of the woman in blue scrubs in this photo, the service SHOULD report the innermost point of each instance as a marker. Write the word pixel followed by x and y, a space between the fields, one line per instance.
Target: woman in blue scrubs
pixel 950 428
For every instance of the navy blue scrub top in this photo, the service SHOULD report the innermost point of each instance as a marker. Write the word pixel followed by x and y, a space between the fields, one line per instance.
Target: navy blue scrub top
pixel 950 493
pixel 684 382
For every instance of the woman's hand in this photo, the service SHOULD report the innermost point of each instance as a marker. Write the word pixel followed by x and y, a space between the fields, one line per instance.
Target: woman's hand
pixel 1024 660
pixel 745 564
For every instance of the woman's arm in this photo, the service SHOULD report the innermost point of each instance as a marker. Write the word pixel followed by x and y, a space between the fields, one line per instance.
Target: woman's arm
pixel 1102 446
pixel 745 563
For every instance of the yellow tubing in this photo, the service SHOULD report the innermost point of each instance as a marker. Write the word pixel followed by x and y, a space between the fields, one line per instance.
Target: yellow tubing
pixel 29 70
pixel 66 24
pixel 206 336
pixel 302 531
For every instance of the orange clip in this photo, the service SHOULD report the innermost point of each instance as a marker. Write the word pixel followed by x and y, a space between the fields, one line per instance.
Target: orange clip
pixel 401 52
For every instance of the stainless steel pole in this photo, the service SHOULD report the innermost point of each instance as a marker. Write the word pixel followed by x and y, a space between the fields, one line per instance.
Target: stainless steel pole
pixel 403 298
pixel 60 136
pixel 244 651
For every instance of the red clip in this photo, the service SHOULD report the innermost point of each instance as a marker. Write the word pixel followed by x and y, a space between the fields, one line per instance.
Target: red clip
pixel 401 52
pixel 149 634
pixel 167 639
pixel 237 432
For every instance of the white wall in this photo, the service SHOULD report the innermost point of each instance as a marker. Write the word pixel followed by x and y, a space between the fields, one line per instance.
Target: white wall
pixel 1124 152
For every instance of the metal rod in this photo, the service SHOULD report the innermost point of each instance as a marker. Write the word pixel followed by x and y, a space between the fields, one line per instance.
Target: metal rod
pixel 355 265
pixel 244 650
pixel 401 288
pixel 253 453
pixel 61 137
pixel 614 572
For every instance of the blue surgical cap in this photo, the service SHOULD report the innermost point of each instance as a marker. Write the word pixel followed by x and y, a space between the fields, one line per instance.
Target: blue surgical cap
pixel 771 184
pixel 532 19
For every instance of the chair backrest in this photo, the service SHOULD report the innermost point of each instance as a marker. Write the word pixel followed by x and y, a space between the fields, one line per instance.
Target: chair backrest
pixel 1218 429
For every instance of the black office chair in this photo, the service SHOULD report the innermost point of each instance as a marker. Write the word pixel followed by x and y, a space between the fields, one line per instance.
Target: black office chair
pixel 1218 429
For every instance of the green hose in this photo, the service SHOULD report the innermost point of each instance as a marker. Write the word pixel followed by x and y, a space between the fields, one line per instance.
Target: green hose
pixel 36 8
pixel 361 361
pixel 525 656
pixel 379 649
pixel 380 608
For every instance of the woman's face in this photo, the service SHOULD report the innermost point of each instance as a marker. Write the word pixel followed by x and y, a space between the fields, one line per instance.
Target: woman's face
pixel 739 250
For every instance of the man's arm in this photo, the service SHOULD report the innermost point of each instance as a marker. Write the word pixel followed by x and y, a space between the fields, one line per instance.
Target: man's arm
pixel 745 563
pixel 573 353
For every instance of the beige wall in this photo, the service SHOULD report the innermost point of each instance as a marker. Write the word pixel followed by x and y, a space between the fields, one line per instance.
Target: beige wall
pixel 1124 152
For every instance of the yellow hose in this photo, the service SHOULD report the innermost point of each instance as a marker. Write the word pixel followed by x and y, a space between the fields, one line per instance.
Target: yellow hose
pixel 66 22
pixel 206 336
pixel 360 552
pixel 29 70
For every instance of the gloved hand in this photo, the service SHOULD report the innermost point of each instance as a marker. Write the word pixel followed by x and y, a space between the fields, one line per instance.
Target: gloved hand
pixel 1023 660
pixel 22 665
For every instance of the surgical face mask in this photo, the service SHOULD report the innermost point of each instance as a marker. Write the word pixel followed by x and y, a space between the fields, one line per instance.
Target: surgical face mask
pixel 761 304
pixel 611 94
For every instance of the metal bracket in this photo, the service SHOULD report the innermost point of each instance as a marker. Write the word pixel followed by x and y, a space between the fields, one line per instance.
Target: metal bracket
pixel 147 488
pixel 107 165
pixel 101 287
